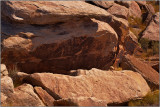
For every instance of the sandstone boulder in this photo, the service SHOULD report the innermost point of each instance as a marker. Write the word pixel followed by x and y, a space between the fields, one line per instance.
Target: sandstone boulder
pixel 58 48
pixel 119 11
pixel 152 30
pixel 4 71
pixel 7 85
pixel 134 9
pixel 3 98
pixel 23 96
pixel 104 4
pixel 95 83
pixel 47 99
pixel 49 12
pixel 150 75
pixel 80 101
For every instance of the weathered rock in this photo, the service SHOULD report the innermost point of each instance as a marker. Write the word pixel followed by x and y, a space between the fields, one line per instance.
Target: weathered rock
pixel 23 96
pixel 80 101
pixel 134 10
pixel 49 12
pixel 124 3
pixel 150 75
pixel 152 30
pixel 95 83
pixel 3 98
pixel 20 76
pixel 7 85
pixel 60 49
pixel 131 43
pixel 119 11
pixel 47 99
pixel 4 71
pixel 104 4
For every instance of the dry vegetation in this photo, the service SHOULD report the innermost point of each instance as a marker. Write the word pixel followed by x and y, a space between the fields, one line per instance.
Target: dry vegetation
pixel 151 99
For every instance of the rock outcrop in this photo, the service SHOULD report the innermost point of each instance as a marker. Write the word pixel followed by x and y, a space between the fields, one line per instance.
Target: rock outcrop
pixel 104 4
pixel 127 85
pixel 150 75
pixel 57 47
pixel 152 30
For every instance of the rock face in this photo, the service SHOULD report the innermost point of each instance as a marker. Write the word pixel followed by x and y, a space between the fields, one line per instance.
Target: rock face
pixel 119 11
pixel 66 49
pixel 47 99
pixel 152 30
pixel 150 75
pixel 80 101
pixel 23 96
pixel 127 85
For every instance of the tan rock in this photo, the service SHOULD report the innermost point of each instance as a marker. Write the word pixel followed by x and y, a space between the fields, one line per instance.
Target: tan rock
pixel 4 71
pixel 152 30
pixel 80 101
pixel 141 3
pixel 7 85
pixel 119 11
pixel 49 12
pixel 23 96
pixel 95 83
pixel 17 43
pixel 47 99
pixel 3 98
pixel 150 75
pixel 134 10
pixel 104 4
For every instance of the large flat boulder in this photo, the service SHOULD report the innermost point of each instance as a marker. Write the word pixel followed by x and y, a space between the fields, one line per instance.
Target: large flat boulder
pixel 150 75
pixel 59 48
pixel 152 30
pixel 111 86
pixel 23 96
pixel 49 12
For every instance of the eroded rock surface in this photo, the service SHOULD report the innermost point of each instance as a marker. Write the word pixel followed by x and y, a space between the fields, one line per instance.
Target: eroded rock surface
pixel 127 85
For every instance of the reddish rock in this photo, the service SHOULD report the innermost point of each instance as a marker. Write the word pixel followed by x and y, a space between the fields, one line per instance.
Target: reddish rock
pixel 92 45
pixel 94 83
pixel 150 75
pixel 80 101
pixel 152 30
pixel 119 11
pixel 23 96
pixel 134 10
pixel 104 4
pixel 47 99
